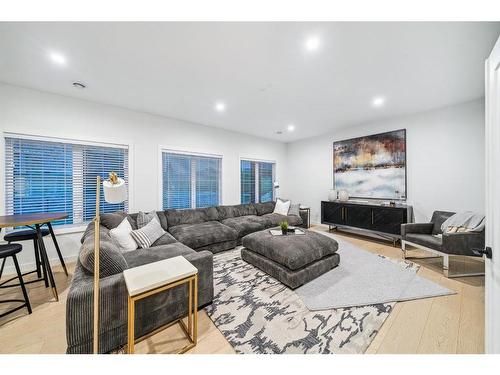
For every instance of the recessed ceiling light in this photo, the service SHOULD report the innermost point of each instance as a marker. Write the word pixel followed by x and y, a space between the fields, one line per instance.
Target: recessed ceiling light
pixel 57 58
pixel 291 127
pixel 220 107
pixel 378 102
pixel 312 43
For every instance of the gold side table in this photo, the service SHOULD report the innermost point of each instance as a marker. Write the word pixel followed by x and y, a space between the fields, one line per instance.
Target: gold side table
pixel 153 278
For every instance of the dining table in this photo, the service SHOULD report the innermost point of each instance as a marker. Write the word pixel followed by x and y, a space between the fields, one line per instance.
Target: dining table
pixel 37 220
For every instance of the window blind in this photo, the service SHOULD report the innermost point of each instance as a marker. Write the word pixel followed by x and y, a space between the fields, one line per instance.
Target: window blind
pixel 256 181
pixel 54 176
pixel 190 181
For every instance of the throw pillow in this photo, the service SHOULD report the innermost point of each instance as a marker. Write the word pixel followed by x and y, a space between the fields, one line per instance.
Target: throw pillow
pixel 148 234
pixel 294 209
pixel 111 260
pixel 143 218
pixel 111 220
pixel 281 207
pixel 122 236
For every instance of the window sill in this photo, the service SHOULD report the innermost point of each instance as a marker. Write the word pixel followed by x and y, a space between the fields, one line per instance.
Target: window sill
pixel 70 229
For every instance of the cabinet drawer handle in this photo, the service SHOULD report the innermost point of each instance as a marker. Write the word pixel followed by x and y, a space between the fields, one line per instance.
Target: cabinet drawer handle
pixel 372 216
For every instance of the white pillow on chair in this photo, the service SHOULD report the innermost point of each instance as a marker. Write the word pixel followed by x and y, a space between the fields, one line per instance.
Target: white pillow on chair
pixel 123 237
pixel 281 207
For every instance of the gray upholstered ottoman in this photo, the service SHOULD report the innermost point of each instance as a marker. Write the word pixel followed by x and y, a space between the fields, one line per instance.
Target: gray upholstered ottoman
pixel 292 259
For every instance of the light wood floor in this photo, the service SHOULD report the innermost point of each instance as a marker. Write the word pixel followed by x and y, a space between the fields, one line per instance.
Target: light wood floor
pixel 449 324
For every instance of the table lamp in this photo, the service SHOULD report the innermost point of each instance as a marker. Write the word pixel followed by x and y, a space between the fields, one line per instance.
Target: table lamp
pixel 115 191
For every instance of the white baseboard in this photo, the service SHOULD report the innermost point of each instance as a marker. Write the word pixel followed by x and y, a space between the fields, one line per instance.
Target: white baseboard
pixel 10 270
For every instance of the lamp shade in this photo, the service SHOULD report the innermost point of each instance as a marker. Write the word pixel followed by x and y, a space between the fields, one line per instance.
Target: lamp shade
pixel 115 193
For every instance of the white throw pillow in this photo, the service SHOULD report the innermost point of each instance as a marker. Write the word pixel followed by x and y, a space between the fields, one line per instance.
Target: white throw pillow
pixel 282 207
pixel 123 237
pixel 148 233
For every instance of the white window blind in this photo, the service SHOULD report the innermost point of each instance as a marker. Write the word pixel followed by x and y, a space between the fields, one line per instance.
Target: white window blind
pixel 257 181
pixel 59 176
pixel 190 181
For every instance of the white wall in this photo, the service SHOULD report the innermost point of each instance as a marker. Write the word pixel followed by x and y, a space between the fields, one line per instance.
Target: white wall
pixel 445 152
pixel 445 160
pixel 33 112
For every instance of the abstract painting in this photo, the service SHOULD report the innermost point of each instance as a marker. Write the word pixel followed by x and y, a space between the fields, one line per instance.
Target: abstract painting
pixel 373 166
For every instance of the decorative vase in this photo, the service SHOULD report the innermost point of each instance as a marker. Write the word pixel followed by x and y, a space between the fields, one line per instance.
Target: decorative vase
pixel 332 196
pixel 343 195
pixel 284 231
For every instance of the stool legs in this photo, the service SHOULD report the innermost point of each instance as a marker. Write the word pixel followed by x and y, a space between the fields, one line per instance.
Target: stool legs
pixel 37 259
pixel 1 269
pixel 45 260
pixel 21 282
pixel 57 248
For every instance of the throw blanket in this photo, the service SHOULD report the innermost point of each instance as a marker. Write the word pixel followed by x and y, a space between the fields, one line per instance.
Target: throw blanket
pixel 466 221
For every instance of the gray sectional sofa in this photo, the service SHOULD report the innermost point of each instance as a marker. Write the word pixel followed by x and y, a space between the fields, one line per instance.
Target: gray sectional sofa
pixel 195 234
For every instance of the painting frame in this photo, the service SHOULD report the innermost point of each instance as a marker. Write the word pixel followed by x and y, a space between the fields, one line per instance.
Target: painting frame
pixel 371 137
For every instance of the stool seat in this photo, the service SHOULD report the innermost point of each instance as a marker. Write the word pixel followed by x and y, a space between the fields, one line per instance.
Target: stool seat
pixel 24 235
pixel 9 250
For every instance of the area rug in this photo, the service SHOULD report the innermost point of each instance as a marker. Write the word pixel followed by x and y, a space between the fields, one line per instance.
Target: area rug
pixel 363 278
pixel 257 314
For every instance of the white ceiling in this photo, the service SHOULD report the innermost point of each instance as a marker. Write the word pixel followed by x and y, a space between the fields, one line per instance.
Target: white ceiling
pixel 260 70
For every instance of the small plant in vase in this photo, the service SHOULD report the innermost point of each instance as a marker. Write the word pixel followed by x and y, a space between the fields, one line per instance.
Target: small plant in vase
pixel 284 227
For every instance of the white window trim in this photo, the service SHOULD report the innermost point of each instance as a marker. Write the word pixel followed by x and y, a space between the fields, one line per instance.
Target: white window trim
pixel 71 228
pixel 162 149
pixel 242 158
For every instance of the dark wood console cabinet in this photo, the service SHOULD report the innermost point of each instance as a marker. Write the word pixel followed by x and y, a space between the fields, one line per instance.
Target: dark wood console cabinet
pixel 383 220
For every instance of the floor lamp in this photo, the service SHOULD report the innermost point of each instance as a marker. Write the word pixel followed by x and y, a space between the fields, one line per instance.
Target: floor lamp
pixel 115 191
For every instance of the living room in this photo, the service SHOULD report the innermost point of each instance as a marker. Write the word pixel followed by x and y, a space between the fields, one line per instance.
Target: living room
pixel 264 187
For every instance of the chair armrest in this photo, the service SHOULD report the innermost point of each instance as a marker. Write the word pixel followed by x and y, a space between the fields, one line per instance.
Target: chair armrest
pixel 419 228
pixel 462 243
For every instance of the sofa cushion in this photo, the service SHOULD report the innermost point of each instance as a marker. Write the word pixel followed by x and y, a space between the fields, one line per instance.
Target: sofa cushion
pixel 438 218
pixel 122 236
pixel 282 207
pixel 294 209
pixel 202 234
pixel 166 239
pixel 226 212
pixel 426 240
pixel 275 219
pixel 113 219
pixel 154 254
pixel 244 225
pixel 264 208
pixel 144 218
pixel 111 260
pixel 191 216
pixel 148 234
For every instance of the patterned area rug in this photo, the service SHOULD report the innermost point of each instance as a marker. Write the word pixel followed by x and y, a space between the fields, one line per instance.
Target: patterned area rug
pixel 257 314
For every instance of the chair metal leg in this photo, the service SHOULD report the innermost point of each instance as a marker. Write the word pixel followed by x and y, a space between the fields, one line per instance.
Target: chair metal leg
pixel 37 259
pixel 403 248
pixel 3 265
pixel 61 259
pixel 21 282
pixel 46 263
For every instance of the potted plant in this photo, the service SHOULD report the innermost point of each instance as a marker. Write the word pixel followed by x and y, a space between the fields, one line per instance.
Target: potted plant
pixel 284 227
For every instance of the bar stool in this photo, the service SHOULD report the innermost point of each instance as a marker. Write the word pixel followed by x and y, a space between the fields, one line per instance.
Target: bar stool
pixel 6 251
pixel 27 235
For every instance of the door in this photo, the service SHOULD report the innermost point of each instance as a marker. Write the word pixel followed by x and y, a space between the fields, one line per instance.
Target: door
pixel 492 133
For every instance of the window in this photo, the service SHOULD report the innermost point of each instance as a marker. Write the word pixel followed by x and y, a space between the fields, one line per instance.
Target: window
pixel 59 176
pixel 257 181
pixel 190 181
